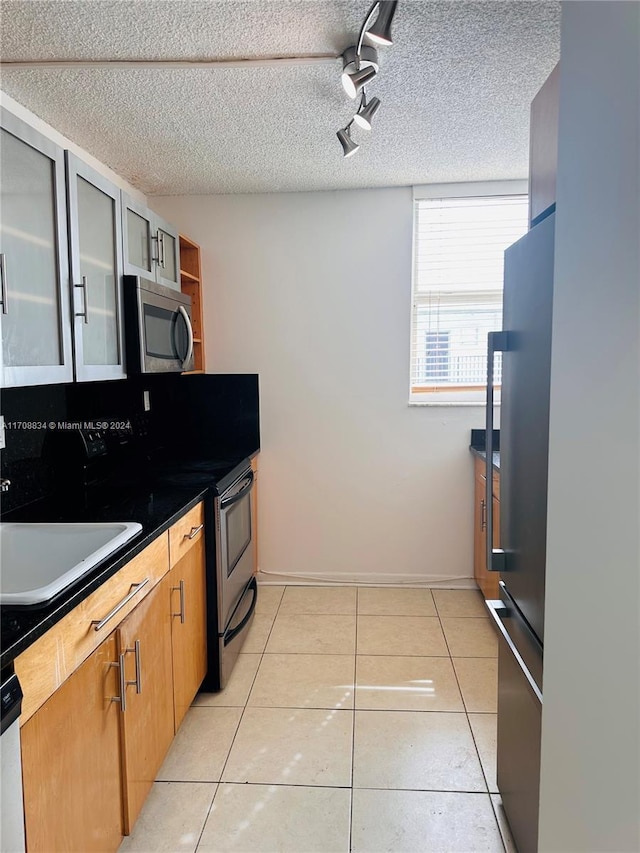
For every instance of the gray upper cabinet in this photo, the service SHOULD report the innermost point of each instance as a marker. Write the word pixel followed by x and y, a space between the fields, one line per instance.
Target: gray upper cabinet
pixel 168 269
pixel 151 245
pixel 95 243
pixel 139 248
pixel 34 266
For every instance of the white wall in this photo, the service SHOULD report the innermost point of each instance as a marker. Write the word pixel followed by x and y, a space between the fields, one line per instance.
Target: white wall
pixel 312 291
pixel 590 783
pixel 64 142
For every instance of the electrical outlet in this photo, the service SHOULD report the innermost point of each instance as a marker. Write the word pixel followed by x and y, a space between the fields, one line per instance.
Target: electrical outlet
pixel 147 401
pixel 2 441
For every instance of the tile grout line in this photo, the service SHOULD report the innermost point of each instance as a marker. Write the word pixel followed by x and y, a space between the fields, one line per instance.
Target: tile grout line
pixel 495 814
pixel 335 787
pixel 353 723
pixel 233 740
pixel 473 737
pixel 244 707
pixel 475 743
pixel 215 791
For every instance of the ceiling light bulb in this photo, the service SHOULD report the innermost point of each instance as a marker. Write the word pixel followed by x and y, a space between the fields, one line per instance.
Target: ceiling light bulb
pixel 380 32
pixel 349 147
pixel 366 113
pixel 353 82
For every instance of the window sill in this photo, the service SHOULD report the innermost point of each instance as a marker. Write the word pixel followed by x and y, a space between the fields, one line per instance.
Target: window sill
pixel 473 403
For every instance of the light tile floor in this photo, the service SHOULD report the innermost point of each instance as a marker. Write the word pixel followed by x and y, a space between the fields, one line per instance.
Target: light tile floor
pixel 356 720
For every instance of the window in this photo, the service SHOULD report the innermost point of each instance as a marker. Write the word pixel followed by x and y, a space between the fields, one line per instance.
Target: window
pixel 436 363
pixel 459 243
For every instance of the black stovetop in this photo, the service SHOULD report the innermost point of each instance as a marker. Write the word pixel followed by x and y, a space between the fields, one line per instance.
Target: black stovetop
pixel 217 474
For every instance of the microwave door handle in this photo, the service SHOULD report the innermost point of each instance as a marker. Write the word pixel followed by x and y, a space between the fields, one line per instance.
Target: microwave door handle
pixel 187 320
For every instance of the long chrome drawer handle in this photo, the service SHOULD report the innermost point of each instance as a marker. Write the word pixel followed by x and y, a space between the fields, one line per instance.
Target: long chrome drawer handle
pixel 194 532
pixel 135 589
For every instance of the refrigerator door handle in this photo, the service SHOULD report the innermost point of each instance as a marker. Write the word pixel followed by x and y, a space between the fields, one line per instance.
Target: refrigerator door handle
pixel 496 558
pixel 496 608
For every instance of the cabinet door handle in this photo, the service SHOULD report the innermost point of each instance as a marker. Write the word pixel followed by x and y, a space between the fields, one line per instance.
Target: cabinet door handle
pixel 161 248
pixel 4 285
pixel 138 679
pixel 122 698
pixel 194 532
pixel 483 515
pixel 84 313
pixel 98 624
pixel 156 258
pixel 180 589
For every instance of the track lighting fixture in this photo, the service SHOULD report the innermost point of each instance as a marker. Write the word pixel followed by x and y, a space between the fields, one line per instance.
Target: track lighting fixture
pixel 366 112
pixel 360 67
pixel 349 147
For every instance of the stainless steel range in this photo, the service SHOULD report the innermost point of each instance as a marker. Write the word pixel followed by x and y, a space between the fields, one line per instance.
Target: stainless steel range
pixel 236 584
pixel 232 591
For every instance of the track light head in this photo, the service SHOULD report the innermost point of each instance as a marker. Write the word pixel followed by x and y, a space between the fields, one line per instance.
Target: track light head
pixel 380 32
pixel 349 147
pixel 358 69
pixel 367 111
pixel 352 83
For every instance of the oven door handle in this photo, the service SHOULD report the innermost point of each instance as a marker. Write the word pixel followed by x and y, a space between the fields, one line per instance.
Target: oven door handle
pixel 246 487
pixel 253 586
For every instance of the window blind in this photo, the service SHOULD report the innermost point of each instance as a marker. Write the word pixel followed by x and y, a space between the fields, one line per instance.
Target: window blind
pixel 459 248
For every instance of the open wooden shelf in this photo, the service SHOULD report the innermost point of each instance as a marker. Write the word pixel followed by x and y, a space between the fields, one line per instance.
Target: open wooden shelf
pixel 191 284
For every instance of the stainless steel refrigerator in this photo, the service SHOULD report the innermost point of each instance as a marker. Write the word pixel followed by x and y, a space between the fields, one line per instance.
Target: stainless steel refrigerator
pixel 525 344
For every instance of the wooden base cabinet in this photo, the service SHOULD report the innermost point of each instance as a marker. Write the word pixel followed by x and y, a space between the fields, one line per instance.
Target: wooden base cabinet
pixel 94 737
pixel 71 761
pixel 144 647
pixel 188 628
pixel 487 581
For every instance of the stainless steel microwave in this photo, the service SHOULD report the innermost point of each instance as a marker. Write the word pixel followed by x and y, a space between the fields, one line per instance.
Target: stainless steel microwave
pixel 159 335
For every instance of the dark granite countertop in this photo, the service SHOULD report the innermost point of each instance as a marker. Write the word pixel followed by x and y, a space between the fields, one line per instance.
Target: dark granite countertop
pixel 481 453
pixel 478 446
pixel 155 508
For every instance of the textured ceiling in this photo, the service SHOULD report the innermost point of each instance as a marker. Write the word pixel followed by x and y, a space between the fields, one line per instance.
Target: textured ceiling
pixel 455 90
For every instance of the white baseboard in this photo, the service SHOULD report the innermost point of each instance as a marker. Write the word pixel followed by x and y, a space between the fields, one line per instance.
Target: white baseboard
pixel 418 581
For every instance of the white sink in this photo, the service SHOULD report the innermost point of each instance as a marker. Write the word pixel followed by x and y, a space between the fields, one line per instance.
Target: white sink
pixel 37 561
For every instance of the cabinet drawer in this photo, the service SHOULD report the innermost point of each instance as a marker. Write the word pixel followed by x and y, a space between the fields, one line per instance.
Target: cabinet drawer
pixel 45 665
pixel 185 533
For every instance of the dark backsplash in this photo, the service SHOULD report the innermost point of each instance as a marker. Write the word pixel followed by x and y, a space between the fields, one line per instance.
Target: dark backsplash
pixel 479 439
pixel 204 414
pixel 23 461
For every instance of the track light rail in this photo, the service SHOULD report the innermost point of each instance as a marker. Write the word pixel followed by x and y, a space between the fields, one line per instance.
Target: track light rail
pixel 128 64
